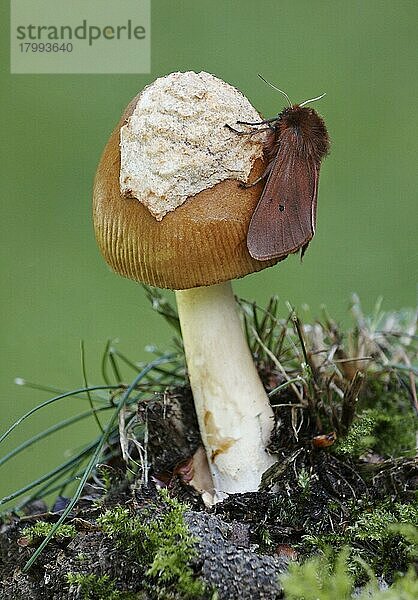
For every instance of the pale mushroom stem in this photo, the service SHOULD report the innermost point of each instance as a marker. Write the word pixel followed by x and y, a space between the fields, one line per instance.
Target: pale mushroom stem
pixel 233 410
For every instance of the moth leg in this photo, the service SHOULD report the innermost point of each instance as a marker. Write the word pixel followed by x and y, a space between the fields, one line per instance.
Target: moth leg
pixel 253 132
pixel 258 122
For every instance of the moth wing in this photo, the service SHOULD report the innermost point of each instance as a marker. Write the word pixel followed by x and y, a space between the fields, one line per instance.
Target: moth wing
pixel 285 216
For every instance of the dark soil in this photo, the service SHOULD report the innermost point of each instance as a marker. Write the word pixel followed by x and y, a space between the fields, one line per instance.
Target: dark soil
pixel 226 559
pixel 243 544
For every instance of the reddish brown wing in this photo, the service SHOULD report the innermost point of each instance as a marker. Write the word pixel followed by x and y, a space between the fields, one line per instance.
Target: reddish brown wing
pixel 284 220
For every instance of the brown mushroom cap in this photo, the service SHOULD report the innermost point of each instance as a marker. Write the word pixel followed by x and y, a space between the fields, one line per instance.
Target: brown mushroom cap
pixel 200 243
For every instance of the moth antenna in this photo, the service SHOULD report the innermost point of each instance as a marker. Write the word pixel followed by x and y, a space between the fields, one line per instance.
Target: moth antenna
pixel 313 99
pixel 276 88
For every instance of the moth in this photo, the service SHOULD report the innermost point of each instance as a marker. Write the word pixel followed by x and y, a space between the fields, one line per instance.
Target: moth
pixel 285 217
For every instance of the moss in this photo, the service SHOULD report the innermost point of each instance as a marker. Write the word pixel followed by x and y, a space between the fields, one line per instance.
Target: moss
pixel 94 587
pixel 385 537
pixel 387 398
pixel 327 577
pixel 304 480
pixel 386 434
pixel 266 543
pixel 404 588
pixel 319 578
pixel 395 434
pixel 360 436
pixel 160 540
pixel 388 533
pixel 378 524
pixel 41 529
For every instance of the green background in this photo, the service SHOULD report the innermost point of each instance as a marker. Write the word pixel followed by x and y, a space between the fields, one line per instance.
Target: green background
pixel 55 288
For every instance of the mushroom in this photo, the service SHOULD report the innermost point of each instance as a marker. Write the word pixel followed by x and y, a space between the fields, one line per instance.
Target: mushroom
pixel 169 212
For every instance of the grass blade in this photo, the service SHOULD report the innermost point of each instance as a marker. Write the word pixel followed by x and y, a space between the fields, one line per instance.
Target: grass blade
pixel 60 469
pixel 55 399
pixel 49 431
pixel 89 396
pixel 94 459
